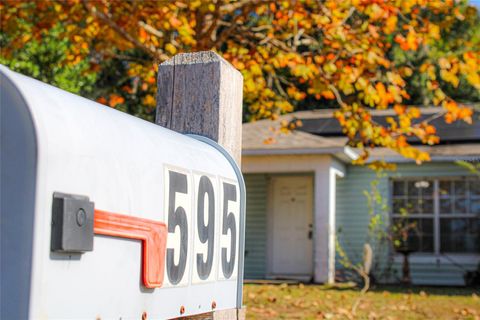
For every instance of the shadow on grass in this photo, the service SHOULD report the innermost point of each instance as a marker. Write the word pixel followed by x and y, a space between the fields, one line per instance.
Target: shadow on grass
pixel 429 290
pixel 379 288
pixel 412 289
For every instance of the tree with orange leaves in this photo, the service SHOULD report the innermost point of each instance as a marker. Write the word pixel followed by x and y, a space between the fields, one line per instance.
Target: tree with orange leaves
pixel 357 55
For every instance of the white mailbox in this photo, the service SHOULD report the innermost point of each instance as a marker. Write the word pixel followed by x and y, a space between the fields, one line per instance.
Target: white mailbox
pixel 107 216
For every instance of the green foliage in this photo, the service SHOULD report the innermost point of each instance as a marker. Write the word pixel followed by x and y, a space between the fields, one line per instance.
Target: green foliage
pixel 114 83
pixel 452 41
pixel 45 59
pixel 473 167
pixel 402 230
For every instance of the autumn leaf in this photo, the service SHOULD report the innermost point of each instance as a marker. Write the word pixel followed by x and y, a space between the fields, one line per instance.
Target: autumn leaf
pixel 115 100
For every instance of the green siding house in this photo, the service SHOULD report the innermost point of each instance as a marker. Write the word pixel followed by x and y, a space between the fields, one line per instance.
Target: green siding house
pixel 304 197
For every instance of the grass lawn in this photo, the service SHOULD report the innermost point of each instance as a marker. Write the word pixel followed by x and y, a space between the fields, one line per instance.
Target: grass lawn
pixel 298 301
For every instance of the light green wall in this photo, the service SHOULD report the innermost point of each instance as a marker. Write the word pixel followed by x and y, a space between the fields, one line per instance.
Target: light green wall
pixel 352 218
pixel 256 226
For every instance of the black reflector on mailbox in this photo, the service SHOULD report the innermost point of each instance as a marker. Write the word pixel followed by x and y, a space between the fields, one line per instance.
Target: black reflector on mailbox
pixel 72 223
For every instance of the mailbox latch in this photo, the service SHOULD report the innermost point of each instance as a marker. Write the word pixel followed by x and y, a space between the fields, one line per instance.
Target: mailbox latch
pixel 72 223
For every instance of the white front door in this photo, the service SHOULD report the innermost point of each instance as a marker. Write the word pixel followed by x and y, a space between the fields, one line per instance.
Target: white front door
pixel 291 226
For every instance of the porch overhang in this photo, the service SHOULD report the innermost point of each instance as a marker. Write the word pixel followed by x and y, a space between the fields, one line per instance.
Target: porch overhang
pixel 327 165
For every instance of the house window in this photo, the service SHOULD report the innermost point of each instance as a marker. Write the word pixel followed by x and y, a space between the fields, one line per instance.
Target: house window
pixel 443 214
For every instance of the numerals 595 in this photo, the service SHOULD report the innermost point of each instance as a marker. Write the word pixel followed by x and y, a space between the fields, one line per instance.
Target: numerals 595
pixel 202 215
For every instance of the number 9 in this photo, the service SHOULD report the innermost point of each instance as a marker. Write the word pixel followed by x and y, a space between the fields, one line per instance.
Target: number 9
pixel 205 232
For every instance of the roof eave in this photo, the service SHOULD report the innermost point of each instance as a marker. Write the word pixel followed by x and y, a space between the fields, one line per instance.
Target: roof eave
pixel 400 159
pixel 346 154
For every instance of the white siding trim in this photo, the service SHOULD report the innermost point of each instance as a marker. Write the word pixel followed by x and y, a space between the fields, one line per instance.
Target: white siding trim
pixel 334 173
pixel 321 227
pixel 325 222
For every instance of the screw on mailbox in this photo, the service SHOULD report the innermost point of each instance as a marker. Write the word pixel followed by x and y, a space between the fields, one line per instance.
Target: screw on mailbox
pixel 182 310
pixel 81 217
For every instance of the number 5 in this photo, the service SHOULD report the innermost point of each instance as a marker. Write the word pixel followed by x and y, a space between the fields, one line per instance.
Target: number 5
pixel 229 223
pixel 177 216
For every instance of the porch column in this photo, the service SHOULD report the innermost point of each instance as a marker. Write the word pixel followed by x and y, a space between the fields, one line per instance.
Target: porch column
pixel 325 197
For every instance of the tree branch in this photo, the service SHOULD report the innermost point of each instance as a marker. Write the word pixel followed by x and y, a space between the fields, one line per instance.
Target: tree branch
pixel 150 50
pixel 338 97
pixel 151 29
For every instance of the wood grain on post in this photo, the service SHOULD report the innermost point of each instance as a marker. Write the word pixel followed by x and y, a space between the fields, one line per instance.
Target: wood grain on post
pixel 201 93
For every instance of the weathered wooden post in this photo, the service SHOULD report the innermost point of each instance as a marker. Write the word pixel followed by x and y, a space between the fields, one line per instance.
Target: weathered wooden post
pixel 201 93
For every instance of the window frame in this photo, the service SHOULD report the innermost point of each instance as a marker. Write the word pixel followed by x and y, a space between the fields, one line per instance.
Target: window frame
pixel 436 214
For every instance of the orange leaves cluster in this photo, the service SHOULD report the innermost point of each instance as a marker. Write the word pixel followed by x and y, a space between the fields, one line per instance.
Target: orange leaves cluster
pixel 289 52
pixel 456 112
pixel 411 41
pixel 113 100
